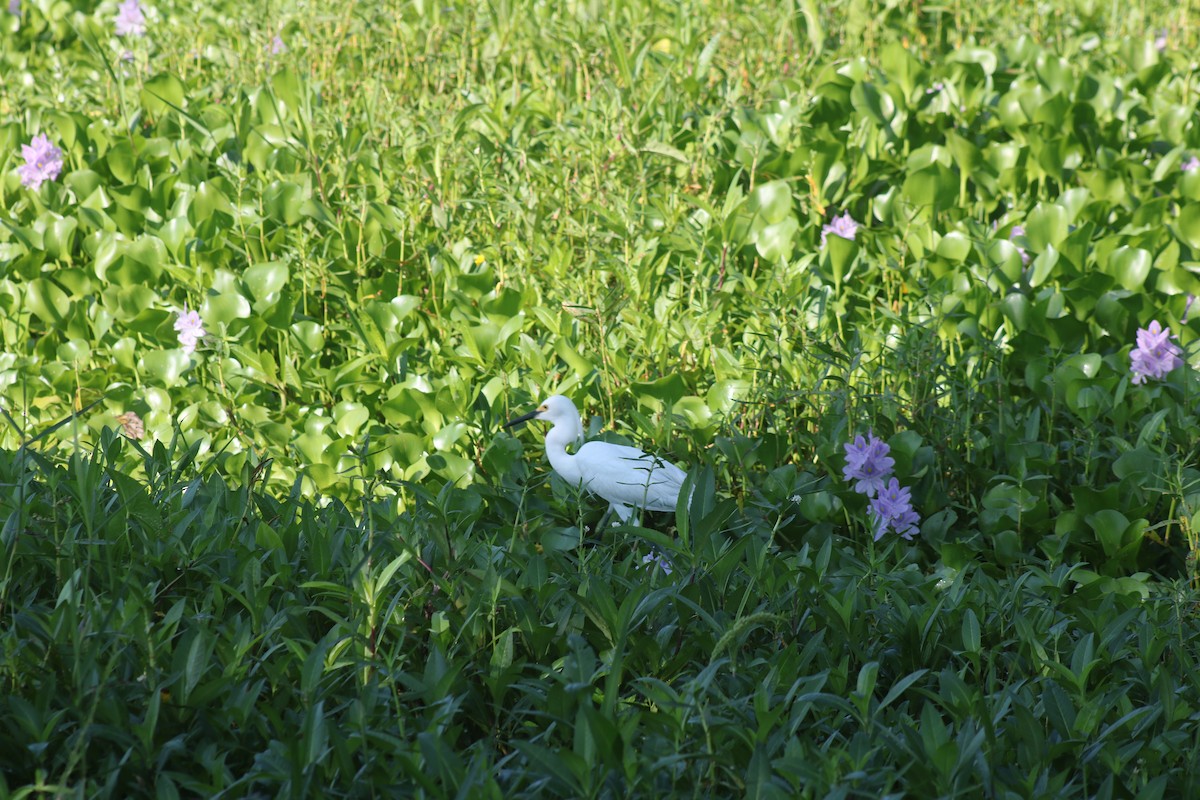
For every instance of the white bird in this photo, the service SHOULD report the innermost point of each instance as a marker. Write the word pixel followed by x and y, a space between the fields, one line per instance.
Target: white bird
pixel 625 476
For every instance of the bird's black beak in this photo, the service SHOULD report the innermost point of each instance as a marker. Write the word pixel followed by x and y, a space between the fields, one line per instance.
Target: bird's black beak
pixel 522 418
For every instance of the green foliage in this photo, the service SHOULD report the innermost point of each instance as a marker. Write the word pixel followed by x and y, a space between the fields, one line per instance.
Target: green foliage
pixel 180 635
pixel 323 567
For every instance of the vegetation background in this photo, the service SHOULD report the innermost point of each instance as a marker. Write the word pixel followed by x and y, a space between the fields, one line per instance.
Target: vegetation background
pixel 316 567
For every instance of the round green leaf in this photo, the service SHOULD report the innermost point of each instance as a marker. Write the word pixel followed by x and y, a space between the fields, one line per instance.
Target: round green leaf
pixel 935 187
pixel 282 201
pixel 1130 266
pixel 774 242
pixel 349 417
pixel 1046 225
pixel 771 202
pixel 164 367
pixel 48 302
pixel 265 280
pixel 224 308
pixel 1189 224
pixel 162 92
pixel 954 246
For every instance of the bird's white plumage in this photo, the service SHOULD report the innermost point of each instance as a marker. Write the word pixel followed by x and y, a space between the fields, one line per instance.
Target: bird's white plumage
pixel 625 476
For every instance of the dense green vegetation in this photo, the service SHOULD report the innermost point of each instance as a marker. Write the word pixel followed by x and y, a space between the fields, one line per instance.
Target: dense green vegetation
pixel 263 534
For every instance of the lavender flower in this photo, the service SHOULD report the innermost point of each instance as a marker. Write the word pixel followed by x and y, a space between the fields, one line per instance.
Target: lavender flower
pixel 843 226
pixel 277 46
pixel 893 509
pixel 190 328
pixel 43 162
pixel 1155 354
pixel 868 463
pixel 1019 230
pixel 130 20
pixel 655 558
pixel 1191 164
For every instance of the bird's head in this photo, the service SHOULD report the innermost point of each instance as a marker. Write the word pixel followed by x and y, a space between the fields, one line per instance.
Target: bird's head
pixel 555 409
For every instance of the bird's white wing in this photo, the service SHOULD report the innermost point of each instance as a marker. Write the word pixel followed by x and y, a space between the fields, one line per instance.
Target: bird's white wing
pixel 628 476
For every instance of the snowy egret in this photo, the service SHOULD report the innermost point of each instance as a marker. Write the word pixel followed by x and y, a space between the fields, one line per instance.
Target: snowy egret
pixel 626 477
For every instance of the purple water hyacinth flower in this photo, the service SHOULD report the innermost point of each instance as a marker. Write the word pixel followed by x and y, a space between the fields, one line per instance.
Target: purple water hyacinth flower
pixel 893 509
pixel 1160 40
pixel 277 46
pixel 130 19
pixel 1019 230
pixel 1155 354
pixel 190 328
pixel 1187 309
pixel 1191 164
pixel 843 226
pixel 868 463
pixel 43 162
pixel 14 7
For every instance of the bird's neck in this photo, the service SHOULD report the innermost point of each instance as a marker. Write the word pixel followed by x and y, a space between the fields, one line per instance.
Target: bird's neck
pixel 557 440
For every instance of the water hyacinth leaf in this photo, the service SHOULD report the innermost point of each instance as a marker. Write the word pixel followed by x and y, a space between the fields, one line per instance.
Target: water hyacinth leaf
pixel 1189 185
pixel 723 395
pixel 59 238
pixel 1005 258
pixel 121 161
pixel 1188 224
pixel 1043 266
pixel 349 417
pixel 123 352
pixel 502 456
pixel 1046 225
pixel 774 242
pixel 666 390
pixel 83 183
pixel 574 360
pixel 164 367
pixel 134 305
pixel 1018 310
pixel 837 257
pixel 148 251
pixel 901 67
pixel 1110 526
pixel 161 93
pixel 288 88
pixel 694 410
pixel 207 200
pixel 48 302
pixel 934 187
pixel 174 233
pixel 877 106
pixel 224 308
pixel 1130 266
pixel 75 351
pixel 265 281
pixel 481 341
pixel 954 246
pixel 284 202
pixel 770 202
